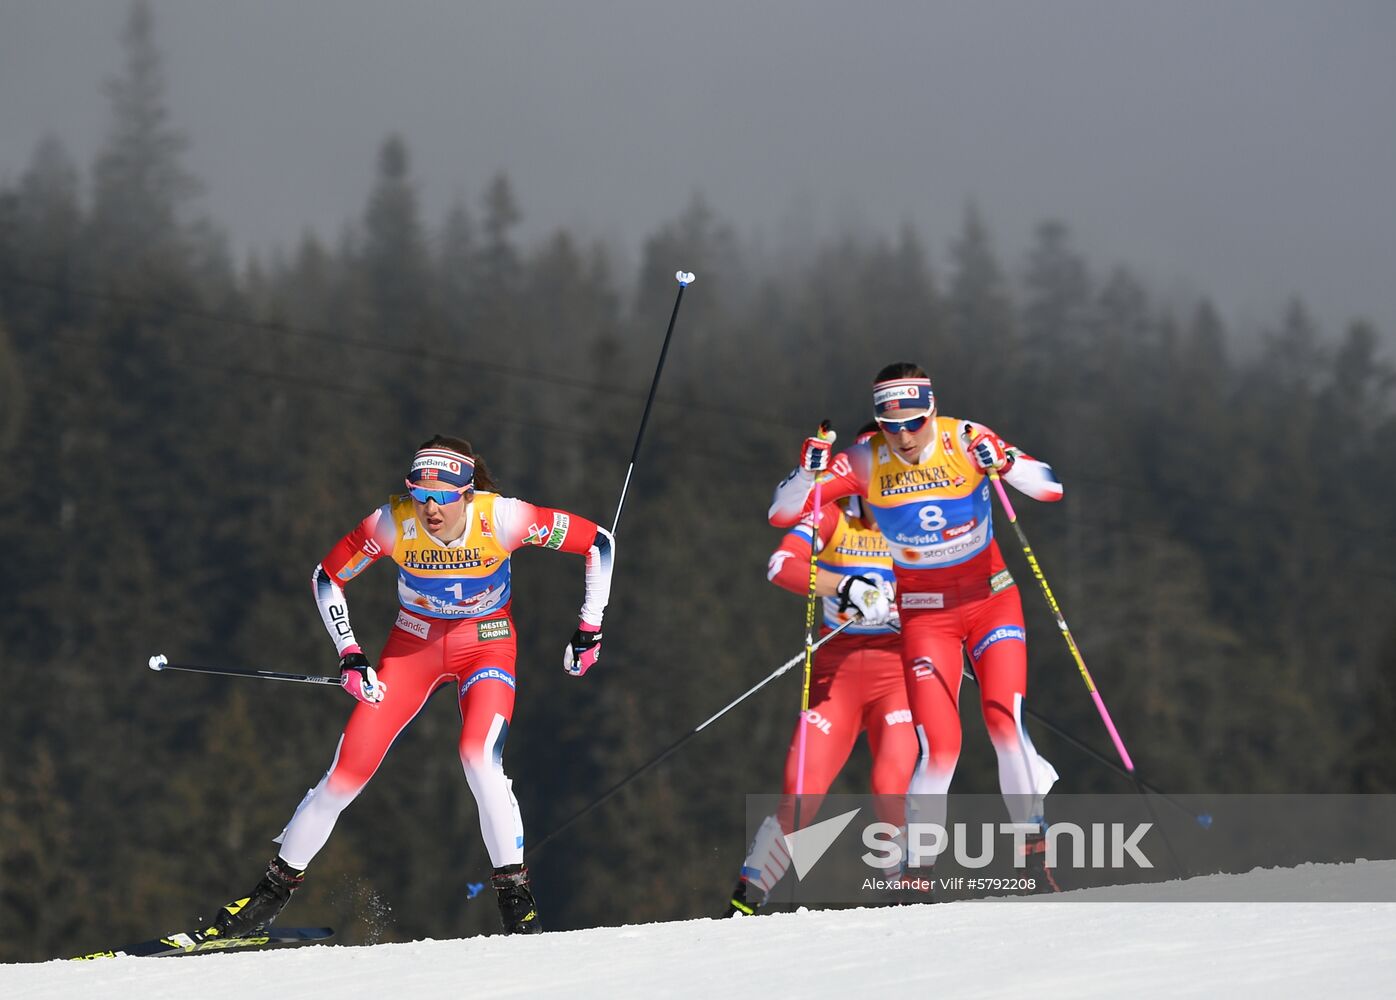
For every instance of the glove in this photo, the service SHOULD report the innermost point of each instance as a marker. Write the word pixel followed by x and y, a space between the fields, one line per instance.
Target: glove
pixel 986 450
pixel 866 596
pixel 583 651
pixel 359 679
pixel 814 454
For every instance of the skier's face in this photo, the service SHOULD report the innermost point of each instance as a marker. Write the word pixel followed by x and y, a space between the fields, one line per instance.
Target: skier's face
pixel 444 521
pixel 909 444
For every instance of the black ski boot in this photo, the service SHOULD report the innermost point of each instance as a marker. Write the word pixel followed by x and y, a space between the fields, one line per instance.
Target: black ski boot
pixel 243 916
pixel 1035 865
pixel 517 910
pixel 743 902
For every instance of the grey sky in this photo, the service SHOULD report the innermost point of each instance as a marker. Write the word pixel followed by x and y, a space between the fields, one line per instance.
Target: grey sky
pixel 1244 148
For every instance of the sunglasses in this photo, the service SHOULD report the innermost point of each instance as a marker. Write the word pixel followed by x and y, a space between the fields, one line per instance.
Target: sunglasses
pixel 897 426
pixel 442 497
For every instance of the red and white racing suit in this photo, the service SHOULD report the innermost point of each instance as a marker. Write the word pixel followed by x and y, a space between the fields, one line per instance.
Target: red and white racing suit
pixel 454 627
pixel 856 686
pixel 954 594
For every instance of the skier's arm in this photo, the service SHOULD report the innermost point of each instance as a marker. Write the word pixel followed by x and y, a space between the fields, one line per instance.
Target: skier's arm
pixel 1015 466
pixel 519 523
pixel 788 567
pixel 794 497
pixel 351 555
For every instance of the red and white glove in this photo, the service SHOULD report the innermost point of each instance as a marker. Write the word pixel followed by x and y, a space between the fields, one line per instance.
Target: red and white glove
pixel 584 650
pixel 814 453
pixel 359 679
pixel 986 450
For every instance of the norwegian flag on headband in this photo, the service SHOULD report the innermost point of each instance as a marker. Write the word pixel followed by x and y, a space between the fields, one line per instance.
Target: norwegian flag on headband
pixel 903 396
pixel 442 465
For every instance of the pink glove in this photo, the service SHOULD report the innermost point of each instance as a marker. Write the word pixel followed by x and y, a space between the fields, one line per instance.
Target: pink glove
pixel 584 650
pixel 359 678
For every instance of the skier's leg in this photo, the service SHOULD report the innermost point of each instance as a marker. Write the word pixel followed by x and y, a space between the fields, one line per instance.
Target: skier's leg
pixel 998 650
pixel 891 736
pixel 892 740
pixel 412 670
pixel 486 706
pixel 831 727
pixel 485 673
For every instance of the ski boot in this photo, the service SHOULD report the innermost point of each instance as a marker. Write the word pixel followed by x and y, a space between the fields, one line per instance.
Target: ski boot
pixel 1035 864
pixel 744 901
pixel 242 917
pixel 517 910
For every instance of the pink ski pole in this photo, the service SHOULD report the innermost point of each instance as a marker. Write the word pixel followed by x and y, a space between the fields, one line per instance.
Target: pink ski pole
pixel 1061 624
pixel 811 614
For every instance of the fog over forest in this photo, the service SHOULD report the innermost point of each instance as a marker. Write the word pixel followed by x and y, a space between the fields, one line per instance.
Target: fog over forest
pixel 1240 150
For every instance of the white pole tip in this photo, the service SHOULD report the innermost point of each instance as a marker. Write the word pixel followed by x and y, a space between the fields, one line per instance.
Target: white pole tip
pixel 158 661
pixel 684 277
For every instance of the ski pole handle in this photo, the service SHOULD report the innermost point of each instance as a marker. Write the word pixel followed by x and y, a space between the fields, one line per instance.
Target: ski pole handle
pixel 159 662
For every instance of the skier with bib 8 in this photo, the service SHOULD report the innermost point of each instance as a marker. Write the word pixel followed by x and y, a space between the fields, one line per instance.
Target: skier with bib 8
pixel 925 478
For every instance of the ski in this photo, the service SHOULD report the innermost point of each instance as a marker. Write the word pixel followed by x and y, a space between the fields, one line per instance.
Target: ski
pixel 186 944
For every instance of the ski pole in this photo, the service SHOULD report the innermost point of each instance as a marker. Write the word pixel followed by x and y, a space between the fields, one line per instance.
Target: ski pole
pixel 1080 661
pixel 684 278
pixel 811 613
pixel 1061 623
pixel 667 752
pixel 159 662
pixel 1203 820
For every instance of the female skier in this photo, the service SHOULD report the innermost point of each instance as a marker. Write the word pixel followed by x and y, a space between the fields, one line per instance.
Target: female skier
pixel 856 684
pixel 924 475
pixel 451 536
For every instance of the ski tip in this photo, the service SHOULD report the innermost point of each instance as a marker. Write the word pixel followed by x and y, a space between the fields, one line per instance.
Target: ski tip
pixel 188 943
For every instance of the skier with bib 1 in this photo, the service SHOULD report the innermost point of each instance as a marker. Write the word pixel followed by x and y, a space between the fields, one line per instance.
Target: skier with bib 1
pixel 452 537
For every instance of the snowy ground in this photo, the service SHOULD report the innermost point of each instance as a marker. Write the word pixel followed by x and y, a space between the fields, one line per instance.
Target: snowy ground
pixel 1041 948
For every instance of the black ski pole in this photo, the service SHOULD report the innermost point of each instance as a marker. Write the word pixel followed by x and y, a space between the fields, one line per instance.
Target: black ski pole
pixel 669 751
pixel 684 278
pixel 159 662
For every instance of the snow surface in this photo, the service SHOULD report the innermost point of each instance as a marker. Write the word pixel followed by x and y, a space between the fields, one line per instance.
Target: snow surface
pixel 1037 948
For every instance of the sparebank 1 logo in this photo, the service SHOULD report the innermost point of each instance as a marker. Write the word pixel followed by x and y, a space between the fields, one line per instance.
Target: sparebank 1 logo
pixel 891 847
